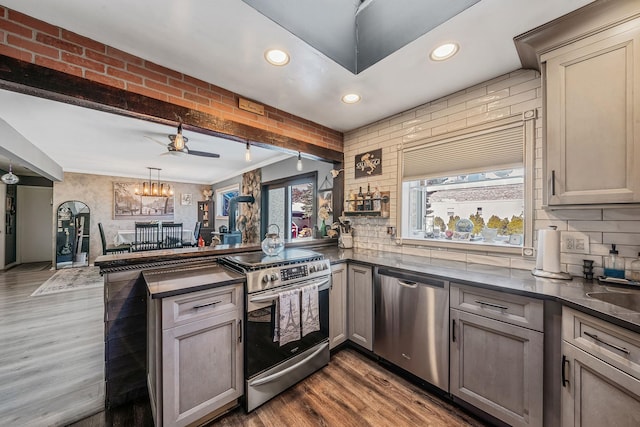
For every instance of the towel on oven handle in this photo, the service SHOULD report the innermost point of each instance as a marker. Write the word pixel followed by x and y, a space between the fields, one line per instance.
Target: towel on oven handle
pixel 310 311
pixel 288 309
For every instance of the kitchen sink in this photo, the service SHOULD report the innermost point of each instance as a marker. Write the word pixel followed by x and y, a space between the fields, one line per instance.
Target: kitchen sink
pixel 630 301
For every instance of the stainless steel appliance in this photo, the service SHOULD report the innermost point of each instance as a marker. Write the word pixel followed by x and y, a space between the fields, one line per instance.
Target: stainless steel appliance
pixel 269 367
pixel 411 319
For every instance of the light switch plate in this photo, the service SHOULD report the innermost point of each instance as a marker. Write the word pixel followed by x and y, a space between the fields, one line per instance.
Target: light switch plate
pixel 575 242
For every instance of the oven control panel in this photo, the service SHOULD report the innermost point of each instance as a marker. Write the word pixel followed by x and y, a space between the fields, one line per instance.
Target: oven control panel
pixel 270 278
pixel 296 272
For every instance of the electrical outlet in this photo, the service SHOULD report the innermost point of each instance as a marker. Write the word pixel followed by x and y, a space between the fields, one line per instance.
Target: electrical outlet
pixel 575 242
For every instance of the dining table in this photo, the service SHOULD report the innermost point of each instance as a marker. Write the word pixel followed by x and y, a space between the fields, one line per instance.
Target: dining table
pixel 129 237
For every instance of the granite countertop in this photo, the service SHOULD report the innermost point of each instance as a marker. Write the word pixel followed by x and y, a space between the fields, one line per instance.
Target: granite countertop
pixel 166 282
pixel 572 293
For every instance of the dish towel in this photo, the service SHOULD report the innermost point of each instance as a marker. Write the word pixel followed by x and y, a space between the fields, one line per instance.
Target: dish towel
pixel 288 309
pixel 310 311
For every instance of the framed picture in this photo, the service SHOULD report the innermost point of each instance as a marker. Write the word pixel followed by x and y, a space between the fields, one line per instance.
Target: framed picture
pixel 129 205
pixel 185 199
pixel 369 163
pixel 223 196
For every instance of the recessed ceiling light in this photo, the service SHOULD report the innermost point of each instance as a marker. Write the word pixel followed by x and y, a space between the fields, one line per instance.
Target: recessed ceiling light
pixel 277 57
pixel 351 98
pixel 444 51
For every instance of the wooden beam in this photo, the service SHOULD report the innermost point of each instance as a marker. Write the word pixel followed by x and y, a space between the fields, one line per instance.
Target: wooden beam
pixel 36 80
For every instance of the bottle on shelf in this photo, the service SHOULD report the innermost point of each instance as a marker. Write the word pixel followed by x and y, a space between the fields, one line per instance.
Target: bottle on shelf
pixel 352 207
pixel 368 199
pixel 376 199
pixel 614 264
pixel 360 200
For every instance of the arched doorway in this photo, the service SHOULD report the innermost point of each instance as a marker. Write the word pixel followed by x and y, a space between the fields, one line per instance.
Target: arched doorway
pixel 72 235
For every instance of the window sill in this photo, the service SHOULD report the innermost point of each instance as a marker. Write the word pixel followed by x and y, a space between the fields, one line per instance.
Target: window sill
pixel 464 246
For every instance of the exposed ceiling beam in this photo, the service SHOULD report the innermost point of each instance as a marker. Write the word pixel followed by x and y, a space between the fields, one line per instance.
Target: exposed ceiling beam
pixel 32 79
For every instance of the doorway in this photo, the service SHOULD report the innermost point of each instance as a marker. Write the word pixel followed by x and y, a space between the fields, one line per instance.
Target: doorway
pixel 73 223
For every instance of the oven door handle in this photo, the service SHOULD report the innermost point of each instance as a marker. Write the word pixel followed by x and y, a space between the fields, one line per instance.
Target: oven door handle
pixel 270 296
pixel 284 372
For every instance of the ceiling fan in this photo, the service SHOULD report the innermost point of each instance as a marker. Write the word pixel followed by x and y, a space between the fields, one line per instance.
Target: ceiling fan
pixel 178 144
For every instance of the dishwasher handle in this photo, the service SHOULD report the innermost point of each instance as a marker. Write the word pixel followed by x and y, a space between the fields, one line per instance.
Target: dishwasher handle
pixel 411 279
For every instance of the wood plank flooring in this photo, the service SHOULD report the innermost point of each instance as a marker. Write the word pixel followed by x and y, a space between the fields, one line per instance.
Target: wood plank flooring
pixel 51 350
pixel 351 391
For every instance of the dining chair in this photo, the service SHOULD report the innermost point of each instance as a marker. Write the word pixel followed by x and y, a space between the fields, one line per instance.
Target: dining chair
pixel 147 237
pixel 196 234
pixel 171 235
pixel 112 249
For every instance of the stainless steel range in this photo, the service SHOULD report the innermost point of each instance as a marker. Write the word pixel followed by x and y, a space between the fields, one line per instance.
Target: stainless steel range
pixel 273 364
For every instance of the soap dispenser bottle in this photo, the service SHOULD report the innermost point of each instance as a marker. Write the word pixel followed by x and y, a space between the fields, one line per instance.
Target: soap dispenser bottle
pixel 614 264
pixel 634 273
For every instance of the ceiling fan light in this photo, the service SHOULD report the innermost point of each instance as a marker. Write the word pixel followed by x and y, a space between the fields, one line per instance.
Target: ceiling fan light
pixel 178 141
pixel 10 177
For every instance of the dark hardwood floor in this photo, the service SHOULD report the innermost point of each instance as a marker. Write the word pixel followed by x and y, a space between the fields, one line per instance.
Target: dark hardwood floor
pixel 351 391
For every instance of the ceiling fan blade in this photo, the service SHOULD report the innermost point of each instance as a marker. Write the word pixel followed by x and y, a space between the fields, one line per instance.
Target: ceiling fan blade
pixel 204 154
pixel 164 144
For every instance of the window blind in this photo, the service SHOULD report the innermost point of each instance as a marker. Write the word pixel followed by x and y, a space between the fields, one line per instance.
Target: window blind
pixel 500 149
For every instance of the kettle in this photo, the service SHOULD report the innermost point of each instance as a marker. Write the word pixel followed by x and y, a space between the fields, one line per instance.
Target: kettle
pixel 272 244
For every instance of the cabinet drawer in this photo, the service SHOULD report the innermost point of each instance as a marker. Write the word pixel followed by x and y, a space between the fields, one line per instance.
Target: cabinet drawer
pixel 513 309
pixel 611 343
pixel 190 307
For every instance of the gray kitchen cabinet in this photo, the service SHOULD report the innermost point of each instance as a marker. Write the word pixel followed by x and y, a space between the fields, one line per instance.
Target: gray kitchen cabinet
pixel 360 304
pixel 495 364
pixel 338 305
pixel 592 94
pixel 195 355
pixel 600 372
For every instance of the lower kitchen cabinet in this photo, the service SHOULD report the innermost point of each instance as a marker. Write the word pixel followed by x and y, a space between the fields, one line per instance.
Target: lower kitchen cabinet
pixel 600 373
pixel 360 301
pixel 497 367
pixel 195 354
pixel 338 305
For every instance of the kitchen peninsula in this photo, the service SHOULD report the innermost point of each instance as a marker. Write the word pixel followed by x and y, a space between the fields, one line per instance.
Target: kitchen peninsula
pixel 561 300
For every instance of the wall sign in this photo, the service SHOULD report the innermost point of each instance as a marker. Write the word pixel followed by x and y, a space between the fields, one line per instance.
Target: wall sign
pixel 369 163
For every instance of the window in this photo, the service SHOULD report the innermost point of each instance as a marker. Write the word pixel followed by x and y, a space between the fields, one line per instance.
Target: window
pixel 223 196
pixel 468 190
pixel 291 205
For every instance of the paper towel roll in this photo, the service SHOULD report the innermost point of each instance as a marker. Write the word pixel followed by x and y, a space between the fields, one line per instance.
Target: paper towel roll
pixel 548 251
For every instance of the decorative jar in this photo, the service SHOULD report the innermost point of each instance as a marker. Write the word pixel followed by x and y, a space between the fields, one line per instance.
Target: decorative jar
pixel 272 244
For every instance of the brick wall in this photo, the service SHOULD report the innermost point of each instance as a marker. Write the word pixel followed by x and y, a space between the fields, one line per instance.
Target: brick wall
pixel 500 97
pixel 30 40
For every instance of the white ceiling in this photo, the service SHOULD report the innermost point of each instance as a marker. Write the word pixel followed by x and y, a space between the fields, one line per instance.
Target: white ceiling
pixel 223 42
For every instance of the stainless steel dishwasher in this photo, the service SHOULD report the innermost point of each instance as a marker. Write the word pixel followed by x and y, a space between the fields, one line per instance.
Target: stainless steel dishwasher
pixel 411 324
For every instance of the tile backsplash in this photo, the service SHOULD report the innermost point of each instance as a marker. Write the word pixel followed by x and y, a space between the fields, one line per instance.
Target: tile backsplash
pixel 501 97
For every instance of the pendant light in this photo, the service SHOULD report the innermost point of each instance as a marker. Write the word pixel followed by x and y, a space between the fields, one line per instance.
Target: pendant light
pixel 178 140
pixel 154 188
pixel 299 164
pixel 10 178
pixel 247 153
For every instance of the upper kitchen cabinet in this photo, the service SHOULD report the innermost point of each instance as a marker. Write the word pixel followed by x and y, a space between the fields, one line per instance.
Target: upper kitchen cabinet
pixel 590 65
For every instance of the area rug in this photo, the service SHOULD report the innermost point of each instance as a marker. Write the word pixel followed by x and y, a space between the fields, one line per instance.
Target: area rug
pixel 71 279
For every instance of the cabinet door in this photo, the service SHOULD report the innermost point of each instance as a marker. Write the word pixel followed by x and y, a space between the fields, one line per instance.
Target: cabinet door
pixel 497 367
pixel 360 286
pixel 338 306
pixel 592 99
pixel 202 367
pixel 596 394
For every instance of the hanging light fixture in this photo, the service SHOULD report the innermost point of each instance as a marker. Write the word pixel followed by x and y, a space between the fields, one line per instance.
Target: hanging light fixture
pixel 335 172
pixel 247 153
pixel 154 188
pixel 10 177
pixel 299 164
pixel 178 140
